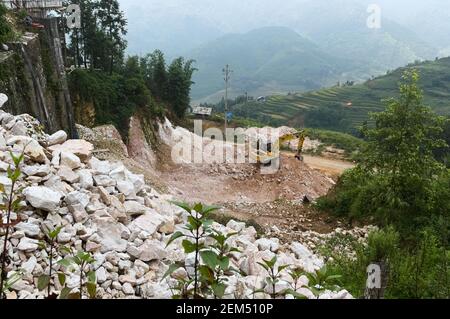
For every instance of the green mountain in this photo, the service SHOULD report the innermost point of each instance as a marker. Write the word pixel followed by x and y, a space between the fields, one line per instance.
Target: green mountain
pixel 345 107
pixel 340 28
pixel 266 60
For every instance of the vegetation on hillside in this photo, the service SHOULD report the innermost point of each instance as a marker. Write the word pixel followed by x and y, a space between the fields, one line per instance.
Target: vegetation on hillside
pixel 120 87
pixel 344 107
pixel 402 186
pixel 6 31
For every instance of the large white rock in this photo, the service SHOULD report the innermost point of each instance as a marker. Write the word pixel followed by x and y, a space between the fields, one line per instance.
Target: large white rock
pixel 126 188
pixel 3 99
pixel 151 250
pixel 77 198
pixel 86 180
pixel 31 146
pixel 134 208
pixel 42 197
pixel 57 138
pixel 80 148
pixel 36 170
pixel 70 160
pixel 307 260
pixel 30 228
pixel 150 222
pixel 100 167
pixel 272 244
pixel 110 233
pixel 68 175
pixel 28 245
pixel 104 180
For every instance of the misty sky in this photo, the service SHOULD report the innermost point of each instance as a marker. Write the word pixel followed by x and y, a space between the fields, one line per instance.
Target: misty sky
pixel 169 19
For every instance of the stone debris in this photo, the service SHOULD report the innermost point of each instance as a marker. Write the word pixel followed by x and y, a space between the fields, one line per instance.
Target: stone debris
pixel 107 210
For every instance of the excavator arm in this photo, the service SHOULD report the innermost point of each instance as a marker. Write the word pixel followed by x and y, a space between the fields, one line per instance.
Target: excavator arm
pixel 267 154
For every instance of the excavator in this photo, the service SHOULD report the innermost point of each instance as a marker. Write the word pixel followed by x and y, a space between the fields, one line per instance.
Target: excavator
pixel 264 155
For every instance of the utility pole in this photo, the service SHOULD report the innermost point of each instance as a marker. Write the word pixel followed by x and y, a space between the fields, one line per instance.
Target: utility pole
pixel 227 73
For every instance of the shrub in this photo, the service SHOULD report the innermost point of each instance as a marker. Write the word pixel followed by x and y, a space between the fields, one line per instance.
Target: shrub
pixel 419 271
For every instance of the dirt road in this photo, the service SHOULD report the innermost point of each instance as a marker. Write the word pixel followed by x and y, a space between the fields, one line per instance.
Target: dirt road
pixel 327 165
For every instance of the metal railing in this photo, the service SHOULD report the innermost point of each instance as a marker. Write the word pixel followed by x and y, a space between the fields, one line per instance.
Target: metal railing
pixel 32 4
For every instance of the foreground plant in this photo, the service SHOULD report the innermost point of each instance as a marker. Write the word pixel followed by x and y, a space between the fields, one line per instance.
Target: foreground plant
pixel 274 277
pixel 50 245
pixel 209 277
pixel 321 280
pixel 82 261
pixel 216 266
pixel 10 204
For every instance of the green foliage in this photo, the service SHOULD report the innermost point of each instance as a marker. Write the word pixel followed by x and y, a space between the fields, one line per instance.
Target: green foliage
pixel 398 180
pixel 274 276
pixel 83 262
pixel 299 109
pixel 418 271
pixel 99 43
pixel 51 246
pixel 212 261
pixel 350 144
pixel 6 31
pixel 11 203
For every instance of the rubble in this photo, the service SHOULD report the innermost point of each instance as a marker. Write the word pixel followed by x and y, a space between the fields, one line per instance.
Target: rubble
pixel 107 210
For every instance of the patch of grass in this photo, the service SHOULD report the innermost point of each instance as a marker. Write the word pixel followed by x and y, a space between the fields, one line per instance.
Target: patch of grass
pixel 350 144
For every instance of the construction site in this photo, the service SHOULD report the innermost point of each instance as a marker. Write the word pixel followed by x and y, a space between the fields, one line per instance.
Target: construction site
pixel 279 202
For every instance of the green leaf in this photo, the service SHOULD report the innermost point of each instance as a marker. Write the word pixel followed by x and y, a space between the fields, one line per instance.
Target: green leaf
pixel 65 292
pixel 294 293
pixel 91 276
pixel 210 258
pixel 185 206
pixel 65 249
pixel 2 188
pixel 207 273
pixel 175 236
pixel 198 208
pixel 65 262
pixel 54 233
pixel 43 282
pixel 207 223
pixel 15 176
pixel 224 262
pixel 62 278
pixel 188 246
pixel 208 209
pixel 92 289
pixel 282 267
pixel 194 222
pixel 219 289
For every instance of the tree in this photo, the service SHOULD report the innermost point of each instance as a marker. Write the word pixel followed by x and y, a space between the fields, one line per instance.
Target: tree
pixel 179 85
pixel 155 72
pixel 112 20
pixel 398 178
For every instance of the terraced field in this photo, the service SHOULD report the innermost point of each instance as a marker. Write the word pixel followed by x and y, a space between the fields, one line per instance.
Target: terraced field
pixel 346 107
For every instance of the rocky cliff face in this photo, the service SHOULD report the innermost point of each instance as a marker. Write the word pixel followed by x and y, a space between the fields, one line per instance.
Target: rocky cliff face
pixel 110 212
pixel 33 76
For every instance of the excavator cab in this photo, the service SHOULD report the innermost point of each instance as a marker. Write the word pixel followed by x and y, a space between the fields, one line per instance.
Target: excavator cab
pixel 265 149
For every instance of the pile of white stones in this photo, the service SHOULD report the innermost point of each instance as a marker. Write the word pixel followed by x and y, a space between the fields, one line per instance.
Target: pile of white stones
pixel 125 224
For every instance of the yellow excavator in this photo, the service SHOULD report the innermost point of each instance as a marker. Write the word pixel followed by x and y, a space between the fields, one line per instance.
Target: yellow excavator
pixel 270 152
